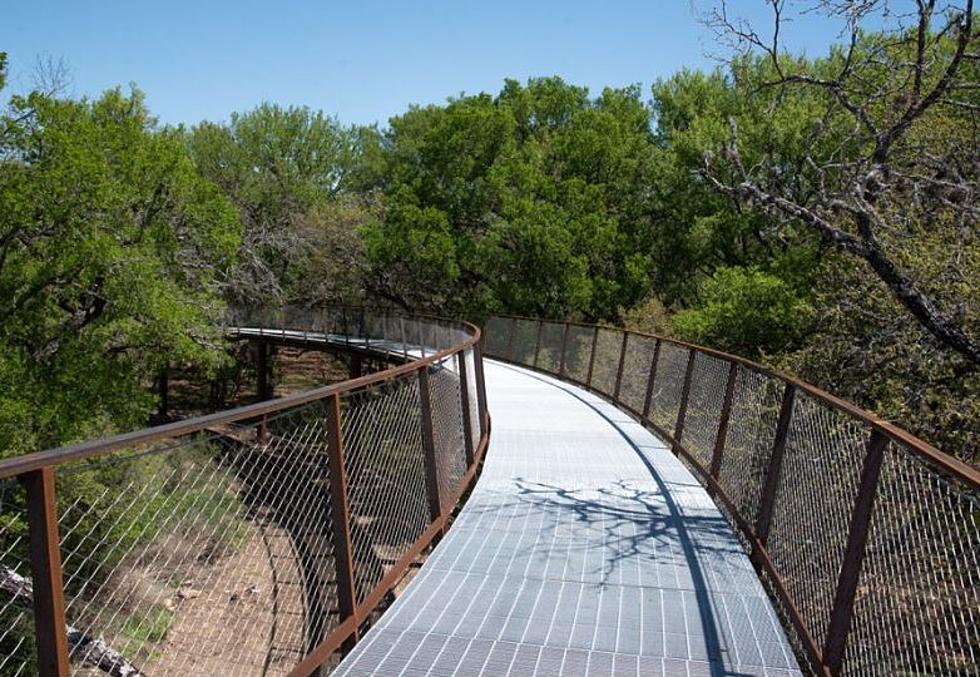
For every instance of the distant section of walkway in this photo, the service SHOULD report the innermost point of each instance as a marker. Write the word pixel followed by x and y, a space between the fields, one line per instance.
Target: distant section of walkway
pixel 586 548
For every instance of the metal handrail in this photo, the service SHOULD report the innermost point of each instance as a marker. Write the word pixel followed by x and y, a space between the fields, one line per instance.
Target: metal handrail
pixel 823 636
pixel 37 470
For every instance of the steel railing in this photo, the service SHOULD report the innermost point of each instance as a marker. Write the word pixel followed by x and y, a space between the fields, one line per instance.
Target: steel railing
pixel 867 537
pixel 259 540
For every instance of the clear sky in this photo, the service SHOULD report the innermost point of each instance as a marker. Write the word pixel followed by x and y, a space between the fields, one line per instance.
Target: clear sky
pixel 362 60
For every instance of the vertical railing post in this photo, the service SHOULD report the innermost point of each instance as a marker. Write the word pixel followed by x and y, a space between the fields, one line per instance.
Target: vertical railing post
pixel 648 398
pixel 510 339
pixel 595 340
pixel 685 397
pixel 537 343
pixel 481 387
pixel 464 401
pixel 767 499
pixel 340 511
pixel 564 345
pixel 726 413
pixel 619 369
pixel 429 447
pixel 842 612
pixel 49 597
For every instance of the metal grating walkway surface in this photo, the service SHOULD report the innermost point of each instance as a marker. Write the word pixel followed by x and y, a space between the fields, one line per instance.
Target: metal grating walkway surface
pixel 586 548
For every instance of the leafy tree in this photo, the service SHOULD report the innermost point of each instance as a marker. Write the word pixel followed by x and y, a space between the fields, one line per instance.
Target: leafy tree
pixel 282 168
pixel 891 170
pixel 746 311
pixel 112 252
pixel 530 201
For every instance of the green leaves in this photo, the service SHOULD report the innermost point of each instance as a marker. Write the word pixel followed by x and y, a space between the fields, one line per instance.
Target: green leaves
pixel 531 201
pixel 112 254
pixel 746 311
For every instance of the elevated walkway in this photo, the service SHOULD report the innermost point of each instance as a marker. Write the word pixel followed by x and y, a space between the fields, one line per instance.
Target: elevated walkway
pixel 585 548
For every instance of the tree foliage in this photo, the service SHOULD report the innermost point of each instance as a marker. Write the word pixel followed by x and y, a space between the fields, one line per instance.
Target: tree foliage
pixel 112 253
pixel 532 200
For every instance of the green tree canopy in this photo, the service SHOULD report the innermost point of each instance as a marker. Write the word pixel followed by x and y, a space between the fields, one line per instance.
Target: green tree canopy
pixel 112 255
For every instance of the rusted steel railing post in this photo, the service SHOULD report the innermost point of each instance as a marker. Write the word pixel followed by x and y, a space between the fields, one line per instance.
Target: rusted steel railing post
pixel 564 345
pixel 726 413
pixel 767 499
pixel 842 612
pixel 685 396
pixel 49 597
pixel 510 339
pixel 464 401
pixel 481 386
pixel 622 363
pixel 595 340
pixel 648 398
pixel 429 447
pixel 340 511
pixel 537 343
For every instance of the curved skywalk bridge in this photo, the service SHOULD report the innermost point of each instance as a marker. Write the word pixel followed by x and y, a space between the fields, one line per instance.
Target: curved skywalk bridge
pixel 585 548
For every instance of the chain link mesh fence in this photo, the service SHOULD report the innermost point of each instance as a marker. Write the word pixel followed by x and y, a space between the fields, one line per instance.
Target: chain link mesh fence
pixel 896 554
pixel 214 549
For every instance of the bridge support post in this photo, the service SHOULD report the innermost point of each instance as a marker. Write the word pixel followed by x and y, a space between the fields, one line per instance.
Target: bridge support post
pixel 49 601
pixel 857 539
pixel 356 366
pixel 263 370
pixel 340 512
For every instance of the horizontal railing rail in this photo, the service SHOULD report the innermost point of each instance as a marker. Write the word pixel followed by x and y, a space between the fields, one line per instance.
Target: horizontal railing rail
pixel 867 537
pixel 251 541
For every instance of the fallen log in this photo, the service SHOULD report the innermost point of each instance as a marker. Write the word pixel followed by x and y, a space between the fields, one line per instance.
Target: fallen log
pixel 89 650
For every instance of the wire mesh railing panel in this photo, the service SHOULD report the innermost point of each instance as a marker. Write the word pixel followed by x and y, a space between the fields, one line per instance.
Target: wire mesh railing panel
pixel 497 331
pixel 472 399
pixel 578 351
pixel 668 385
pixel 447 428
pixel 210 554
pixel 709 380
pixel 917 609
pixel 751 432
pixel 605 366
pixel 640 351
pixel 17 652
pixel 549 347
pixel 818 483
pixel 521 348
pixel 385 466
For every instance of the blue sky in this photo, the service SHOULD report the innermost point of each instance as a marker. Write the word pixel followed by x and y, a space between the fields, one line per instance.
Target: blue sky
pixel 361 60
